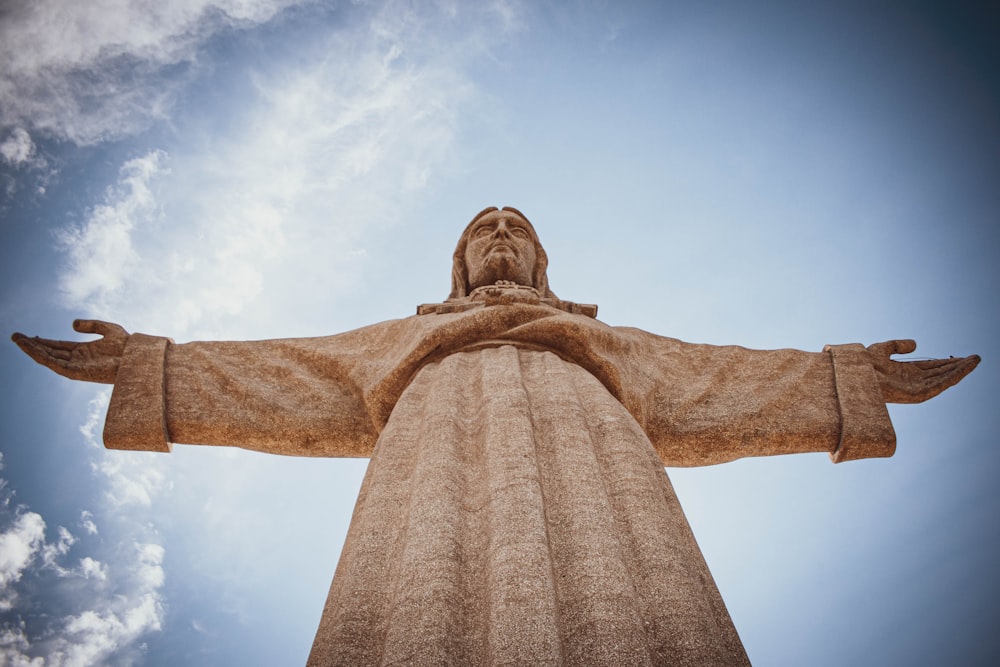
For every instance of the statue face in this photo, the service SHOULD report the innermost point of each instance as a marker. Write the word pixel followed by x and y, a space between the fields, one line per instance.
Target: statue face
pixel 500 247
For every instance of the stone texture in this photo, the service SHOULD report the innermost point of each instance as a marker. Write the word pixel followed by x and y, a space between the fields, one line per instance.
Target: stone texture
pixel 332 396
pixel 515 513
pixel 138 399
pixel 865 429
pixel 515 510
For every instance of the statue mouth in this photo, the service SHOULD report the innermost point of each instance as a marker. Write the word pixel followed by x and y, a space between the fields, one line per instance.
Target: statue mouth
pixel 502 246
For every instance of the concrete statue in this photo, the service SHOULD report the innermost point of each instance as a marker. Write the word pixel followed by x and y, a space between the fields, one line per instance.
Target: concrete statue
pixel 516 508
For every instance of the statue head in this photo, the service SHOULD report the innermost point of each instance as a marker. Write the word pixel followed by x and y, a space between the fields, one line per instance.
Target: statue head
pixel 499 244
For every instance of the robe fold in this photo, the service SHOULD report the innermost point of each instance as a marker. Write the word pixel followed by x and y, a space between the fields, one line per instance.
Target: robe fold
pixel 515 510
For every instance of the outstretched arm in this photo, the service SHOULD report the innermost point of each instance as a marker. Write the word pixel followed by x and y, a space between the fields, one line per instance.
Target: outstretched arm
pixel 91 361
pixel 291 396
pixel 704 404
pixel 915 381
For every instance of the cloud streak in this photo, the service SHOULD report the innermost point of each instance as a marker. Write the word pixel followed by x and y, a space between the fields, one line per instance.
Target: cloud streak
pixel 65 63
pixel 100 253
pixel 285 194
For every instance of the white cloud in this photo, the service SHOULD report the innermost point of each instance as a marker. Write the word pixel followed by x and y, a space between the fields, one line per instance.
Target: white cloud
pixel 19 545
pixel 52 552
pixel 99 251
pixel 17 149
pixel 251 221
pixel 94 424
pixel 114 625
pixel 93 569
pixel 121 601
pixel 131 479
pixel 14 645
pixel 87 522
pixel 64 63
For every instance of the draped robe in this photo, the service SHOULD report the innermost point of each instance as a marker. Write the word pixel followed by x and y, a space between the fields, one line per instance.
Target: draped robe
pixel 515 509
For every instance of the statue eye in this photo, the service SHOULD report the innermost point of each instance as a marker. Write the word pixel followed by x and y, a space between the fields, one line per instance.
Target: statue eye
pixel 519 232
pixel 483 230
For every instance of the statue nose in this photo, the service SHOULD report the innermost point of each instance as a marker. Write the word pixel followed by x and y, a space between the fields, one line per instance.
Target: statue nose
pixel 502 230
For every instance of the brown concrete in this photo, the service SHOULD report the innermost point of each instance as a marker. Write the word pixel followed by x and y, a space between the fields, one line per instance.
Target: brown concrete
pixel 515 513
pixel 515 510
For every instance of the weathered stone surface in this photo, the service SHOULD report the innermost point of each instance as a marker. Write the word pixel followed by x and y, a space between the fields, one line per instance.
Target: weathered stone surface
pixel 515 513
pixel 515 509
pixel 332 396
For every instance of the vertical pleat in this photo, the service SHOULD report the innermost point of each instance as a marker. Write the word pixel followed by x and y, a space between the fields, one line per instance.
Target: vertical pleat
pixel 598 611
pixel 523 622
pixel 353 628
pixel 684 617
pixel 515 513
pixel 426 615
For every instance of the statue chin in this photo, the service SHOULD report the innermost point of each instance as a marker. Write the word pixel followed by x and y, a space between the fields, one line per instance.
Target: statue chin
pixel 500 270
pixel 505 293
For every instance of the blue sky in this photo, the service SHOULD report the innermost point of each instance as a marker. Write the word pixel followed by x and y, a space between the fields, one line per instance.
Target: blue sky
pixel 771 175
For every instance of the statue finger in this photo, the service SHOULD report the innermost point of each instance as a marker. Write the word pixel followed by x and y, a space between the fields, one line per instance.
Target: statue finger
pixel 21 339
pixel 64 345
pixel 963 365
pixel 942 378
pixel 43 352
pixel 99 327
pixel 888 348
pixel 901 346
pixel 928 364
pixel 23 342
pixel 966 365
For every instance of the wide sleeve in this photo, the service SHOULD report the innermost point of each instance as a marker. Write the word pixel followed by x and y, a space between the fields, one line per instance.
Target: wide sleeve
pixel 305 397
pixel 706 404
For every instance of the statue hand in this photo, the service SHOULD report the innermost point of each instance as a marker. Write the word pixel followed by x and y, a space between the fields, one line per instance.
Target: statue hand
pixel 915 381
pixel 93 361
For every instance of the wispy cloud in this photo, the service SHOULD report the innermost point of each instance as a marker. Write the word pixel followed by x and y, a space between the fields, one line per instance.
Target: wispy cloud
pixel 109 604
pixel 87 522
pixel 90 637
pixel 100 253
pixel 131 479
pixel 119 602
pixel 91 568
pixel 17 149
pixel 14 647
pixel 285 195
pixel 20 542
pixel 64 63
pixel 19 545
pixel 52 552
pixel 20 156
